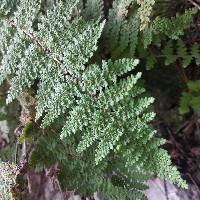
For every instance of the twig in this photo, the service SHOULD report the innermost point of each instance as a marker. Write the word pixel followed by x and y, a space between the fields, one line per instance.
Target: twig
pixel 60 189
pixel 193 181
pixel 16 152
pixel 182 127
pixel 166 190
pixel 196 3
pixel 29 183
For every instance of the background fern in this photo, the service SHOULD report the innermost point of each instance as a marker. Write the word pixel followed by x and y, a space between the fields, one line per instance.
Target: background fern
pixel 86 177
pixel 172 28
pixel 170 52
pixel 190 99
pixel 127 23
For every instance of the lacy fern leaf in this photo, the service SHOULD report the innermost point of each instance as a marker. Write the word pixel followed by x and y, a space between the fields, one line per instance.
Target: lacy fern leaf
pixel 172 27
pixel 109 180
pixel 191 99
pixel 93 9
pixel 7 179
pixel 145 10
pixel 122 28
pixel 105 108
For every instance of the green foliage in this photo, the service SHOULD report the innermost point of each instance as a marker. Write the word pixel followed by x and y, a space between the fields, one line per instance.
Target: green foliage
pixel 191 98
pixel 178 50
pixel 25 132
pixel 121 33
pixel 172 27
pixel 93 9
pixel 79 173
pixel 164 36
pixel 7 179
pixel 8 124
pixel 145 10
pixel 172 51
pixel 122 28
pixel 106 109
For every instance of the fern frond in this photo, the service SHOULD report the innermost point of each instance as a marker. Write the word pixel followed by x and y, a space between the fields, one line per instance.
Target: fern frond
pixel 172 27
pixel 121 29
pixel 178 50
pixel 105 108
pixel 191 99
pixel 168 52
pixel 172 51
pixel 85 177
pixel 195 53
pixel 7 179
pixel 93 9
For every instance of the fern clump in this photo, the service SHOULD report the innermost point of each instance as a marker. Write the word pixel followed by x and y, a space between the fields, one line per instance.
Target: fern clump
pixel 129 21
pixel 103 107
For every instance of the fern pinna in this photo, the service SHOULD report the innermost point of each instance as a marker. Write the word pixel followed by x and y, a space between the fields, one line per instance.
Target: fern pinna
pixel 103 111
pixel 164 36
pixel 190 98
pixel 7 179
